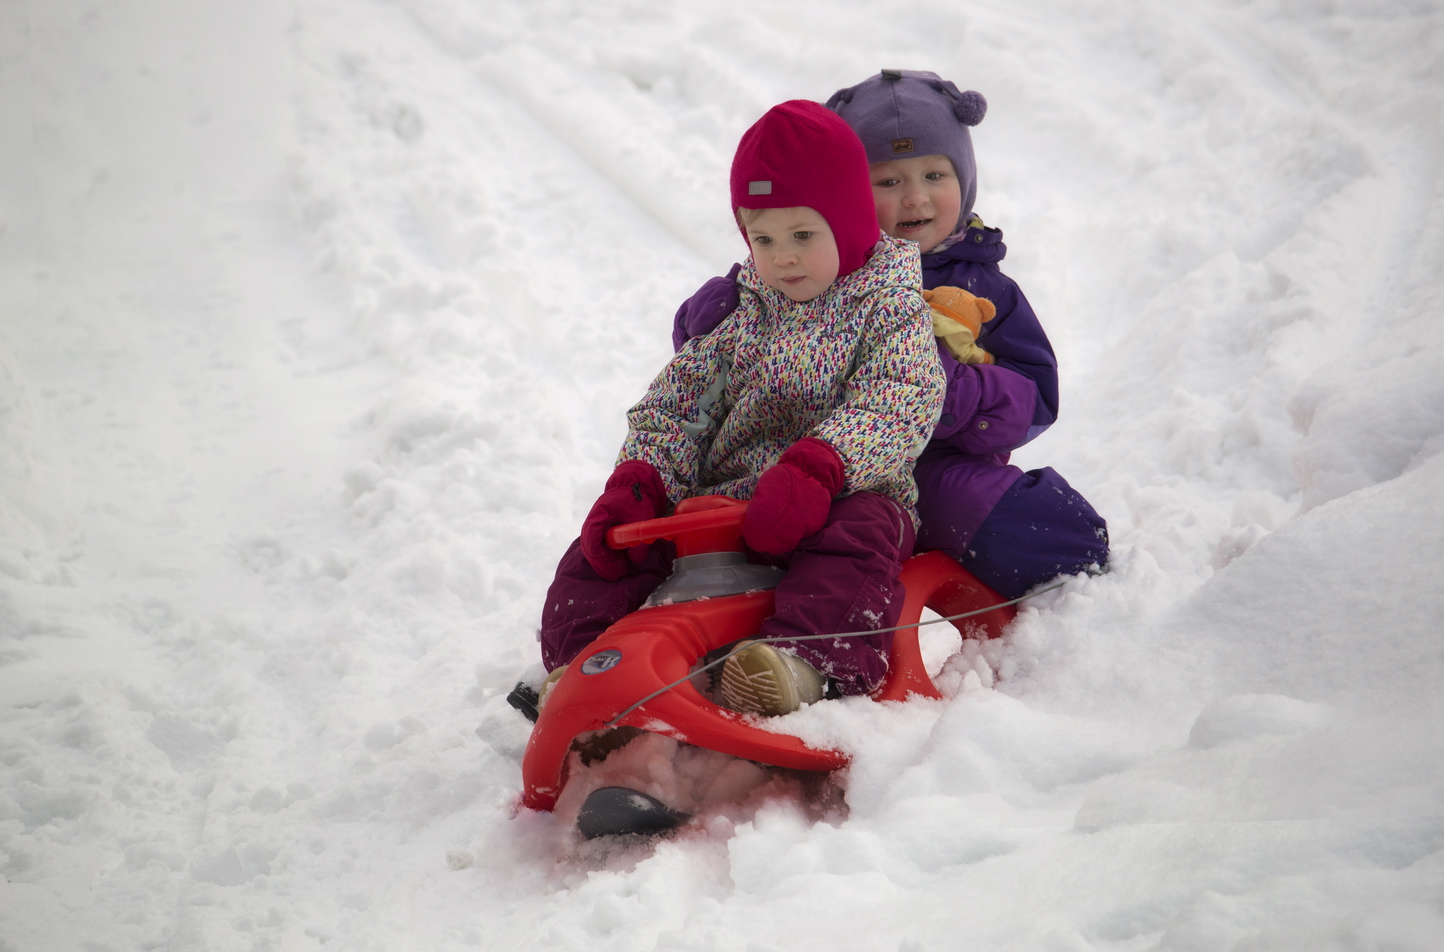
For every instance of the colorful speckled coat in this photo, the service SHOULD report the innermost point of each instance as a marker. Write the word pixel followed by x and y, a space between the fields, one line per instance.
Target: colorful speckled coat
pixel 856 366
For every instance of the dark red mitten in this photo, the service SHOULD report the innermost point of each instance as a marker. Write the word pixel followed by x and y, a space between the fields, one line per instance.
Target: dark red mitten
pixel 633 493
pixel 793 496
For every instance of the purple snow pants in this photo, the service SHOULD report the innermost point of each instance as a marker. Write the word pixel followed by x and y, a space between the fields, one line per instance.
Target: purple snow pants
pixel 1040 527
pixel 842 578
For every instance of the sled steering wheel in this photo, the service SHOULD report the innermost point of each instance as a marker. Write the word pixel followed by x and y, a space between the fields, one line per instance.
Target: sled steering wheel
pixel 700 524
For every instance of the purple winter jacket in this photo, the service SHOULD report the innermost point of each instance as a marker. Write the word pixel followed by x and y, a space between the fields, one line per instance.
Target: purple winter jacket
pixel 989 409
pixel 1014 337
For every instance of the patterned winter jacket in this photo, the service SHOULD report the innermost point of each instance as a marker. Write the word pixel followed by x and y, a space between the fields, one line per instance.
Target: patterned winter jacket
pixel 856 366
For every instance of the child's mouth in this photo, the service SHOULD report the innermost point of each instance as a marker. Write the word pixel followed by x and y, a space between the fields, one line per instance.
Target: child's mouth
pixel 914 224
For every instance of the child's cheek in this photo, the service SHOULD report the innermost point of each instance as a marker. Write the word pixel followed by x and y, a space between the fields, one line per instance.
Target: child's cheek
pixel 885 212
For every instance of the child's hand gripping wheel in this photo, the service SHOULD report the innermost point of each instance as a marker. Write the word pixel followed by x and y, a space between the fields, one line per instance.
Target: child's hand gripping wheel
pixel 634 491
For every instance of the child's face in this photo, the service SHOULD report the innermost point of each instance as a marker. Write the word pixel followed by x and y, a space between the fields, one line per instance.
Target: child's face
pixel 918 199
pixel 794 251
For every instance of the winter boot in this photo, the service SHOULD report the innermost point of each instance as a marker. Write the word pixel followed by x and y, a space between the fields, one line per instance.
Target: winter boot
pixel 759 679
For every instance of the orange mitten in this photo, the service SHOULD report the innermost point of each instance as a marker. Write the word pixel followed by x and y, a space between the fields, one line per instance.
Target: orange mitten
pixel 958 318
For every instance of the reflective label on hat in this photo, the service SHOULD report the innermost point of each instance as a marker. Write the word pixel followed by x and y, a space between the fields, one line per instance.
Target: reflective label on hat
pixel 902 145
pixel 602 661
pixel 759 188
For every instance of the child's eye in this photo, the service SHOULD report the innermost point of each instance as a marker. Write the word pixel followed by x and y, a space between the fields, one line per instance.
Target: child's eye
pixel 802 235
pixel 934 176
pixel 885 183
pixel 762 240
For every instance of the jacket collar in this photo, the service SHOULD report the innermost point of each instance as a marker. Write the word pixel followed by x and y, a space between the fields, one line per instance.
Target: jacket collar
pixel 894 263
pixel 978 243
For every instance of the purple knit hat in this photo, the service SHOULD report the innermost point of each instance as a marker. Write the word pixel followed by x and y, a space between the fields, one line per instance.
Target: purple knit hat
pixel 904 113
pixel 799 154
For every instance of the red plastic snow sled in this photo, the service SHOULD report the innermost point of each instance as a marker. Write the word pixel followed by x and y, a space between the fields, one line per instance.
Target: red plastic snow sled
pixel 656 646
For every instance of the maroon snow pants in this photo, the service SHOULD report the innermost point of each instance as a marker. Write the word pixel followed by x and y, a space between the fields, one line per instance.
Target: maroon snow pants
pixel 842 578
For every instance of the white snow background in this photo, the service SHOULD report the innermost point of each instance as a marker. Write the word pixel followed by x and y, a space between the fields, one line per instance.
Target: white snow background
pixel 318 321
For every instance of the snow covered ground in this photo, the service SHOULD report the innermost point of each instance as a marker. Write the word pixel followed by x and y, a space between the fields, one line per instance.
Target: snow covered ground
pixel 317 324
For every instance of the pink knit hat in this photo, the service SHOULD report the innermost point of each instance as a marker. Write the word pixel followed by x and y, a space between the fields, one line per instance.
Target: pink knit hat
pixel 802 154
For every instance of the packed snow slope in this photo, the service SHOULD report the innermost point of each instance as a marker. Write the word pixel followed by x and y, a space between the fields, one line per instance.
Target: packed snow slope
pixel 318 321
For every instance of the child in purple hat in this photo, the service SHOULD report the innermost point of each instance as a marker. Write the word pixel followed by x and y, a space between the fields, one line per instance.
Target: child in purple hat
pixel 1011 529
pixel 812 400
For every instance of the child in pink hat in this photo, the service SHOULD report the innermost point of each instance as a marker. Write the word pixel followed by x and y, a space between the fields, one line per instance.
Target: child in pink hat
pixel 812 400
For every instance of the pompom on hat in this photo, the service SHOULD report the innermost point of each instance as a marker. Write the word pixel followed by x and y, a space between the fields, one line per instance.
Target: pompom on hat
pixel 800 154
pixel 906 113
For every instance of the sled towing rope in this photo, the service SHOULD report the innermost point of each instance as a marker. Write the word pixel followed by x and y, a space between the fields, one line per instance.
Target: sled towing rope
pixel 846 634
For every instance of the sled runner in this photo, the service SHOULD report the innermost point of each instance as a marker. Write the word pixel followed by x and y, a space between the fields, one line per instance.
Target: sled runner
pixel 639 673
